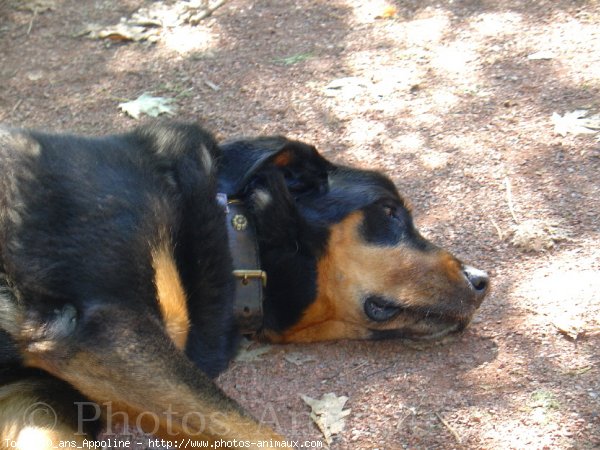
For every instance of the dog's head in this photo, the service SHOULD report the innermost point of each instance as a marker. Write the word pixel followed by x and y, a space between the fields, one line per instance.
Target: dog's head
pixel 343 256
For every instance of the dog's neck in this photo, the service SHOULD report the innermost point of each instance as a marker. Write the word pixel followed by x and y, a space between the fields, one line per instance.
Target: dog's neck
pixel 250 278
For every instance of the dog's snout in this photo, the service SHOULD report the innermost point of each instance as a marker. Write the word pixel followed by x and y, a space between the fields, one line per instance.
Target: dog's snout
pixel 478 279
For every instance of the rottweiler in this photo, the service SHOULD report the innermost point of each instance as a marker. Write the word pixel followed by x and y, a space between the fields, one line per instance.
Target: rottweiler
pixel 123 259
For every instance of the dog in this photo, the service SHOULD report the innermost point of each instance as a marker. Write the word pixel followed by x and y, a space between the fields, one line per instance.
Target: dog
pixel 130 263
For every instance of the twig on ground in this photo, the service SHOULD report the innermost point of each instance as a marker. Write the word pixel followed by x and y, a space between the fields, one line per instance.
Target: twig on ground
pixel 498 229
pixel 450 429
pixel 385 369
pixel 31 22
pixel 208 11
pixel 12 111
pixel 211 85
pixel 510 200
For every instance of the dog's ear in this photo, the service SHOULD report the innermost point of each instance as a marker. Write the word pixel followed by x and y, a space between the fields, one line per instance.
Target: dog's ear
pixel 245 161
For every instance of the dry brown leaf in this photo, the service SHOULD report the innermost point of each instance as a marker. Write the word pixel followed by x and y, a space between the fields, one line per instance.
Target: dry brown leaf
pixel 123 31
pixel 569 326
pixel 537 235
pixel 149 105
pixel 541 55
pixel 576 122
pixel 248 352
pixel 328 413
pixel 147 23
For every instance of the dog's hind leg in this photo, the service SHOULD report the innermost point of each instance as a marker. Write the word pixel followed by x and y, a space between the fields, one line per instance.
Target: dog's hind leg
pixel 37 410
pixel 124 361
pixel 40 412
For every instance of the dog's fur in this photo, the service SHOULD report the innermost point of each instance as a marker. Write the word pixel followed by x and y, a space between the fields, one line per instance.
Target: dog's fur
pixel 115 273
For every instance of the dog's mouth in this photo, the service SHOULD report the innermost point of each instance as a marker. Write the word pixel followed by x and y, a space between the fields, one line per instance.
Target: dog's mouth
pixel 412 322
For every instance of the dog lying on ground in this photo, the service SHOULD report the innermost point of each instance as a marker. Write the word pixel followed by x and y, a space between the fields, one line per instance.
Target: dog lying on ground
pixel 116 286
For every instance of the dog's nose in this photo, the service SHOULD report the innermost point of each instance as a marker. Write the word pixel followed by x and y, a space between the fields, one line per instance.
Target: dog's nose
pixel 478 279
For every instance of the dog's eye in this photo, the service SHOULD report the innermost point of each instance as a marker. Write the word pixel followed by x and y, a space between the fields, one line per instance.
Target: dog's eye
pixel 392 212
pixel 385 223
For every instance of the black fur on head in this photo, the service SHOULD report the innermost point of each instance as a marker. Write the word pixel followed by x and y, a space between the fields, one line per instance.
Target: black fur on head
pixel 242 161
pixel 295 195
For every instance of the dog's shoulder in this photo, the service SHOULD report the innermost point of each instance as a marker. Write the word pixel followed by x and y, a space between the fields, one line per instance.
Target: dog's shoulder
pixel 65 196
pixel 160 160
pixel 176 140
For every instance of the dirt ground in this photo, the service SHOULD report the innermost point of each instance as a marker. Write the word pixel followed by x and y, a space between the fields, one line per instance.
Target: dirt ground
pixel 444 96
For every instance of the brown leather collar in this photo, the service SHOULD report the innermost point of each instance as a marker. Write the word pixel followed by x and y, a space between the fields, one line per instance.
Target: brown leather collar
pixel 243 246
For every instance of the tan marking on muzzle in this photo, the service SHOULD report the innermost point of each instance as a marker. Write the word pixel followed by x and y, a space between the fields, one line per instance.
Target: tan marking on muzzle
pixel 352 269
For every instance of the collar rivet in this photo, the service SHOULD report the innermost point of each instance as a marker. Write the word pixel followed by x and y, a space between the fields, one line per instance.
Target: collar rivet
pixel 239 222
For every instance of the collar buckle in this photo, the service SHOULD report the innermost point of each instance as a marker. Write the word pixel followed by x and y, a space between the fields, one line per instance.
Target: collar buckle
pixel 245 275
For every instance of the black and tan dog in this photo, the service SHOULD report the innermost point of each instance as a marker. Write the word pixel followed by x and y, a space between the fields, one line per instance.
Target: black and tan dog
pixel 116 281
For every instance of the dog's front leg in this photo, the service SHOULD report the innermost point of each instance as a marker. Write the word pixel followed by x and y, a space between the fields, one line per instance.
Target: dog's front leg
pixel 125 362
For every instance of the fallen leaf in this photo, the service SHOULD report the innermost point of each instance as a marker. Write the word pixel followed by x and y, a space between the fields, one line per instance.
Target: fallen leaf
pixel 149 105
pixel 251 355
pixel 174 14
pixel 146 24
pixel 123 31
pixel 248 354
pixel 575 122
pixel 543 399
pixel 541 55
pixel 569 326
pixel 328 413
pixel 537 235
